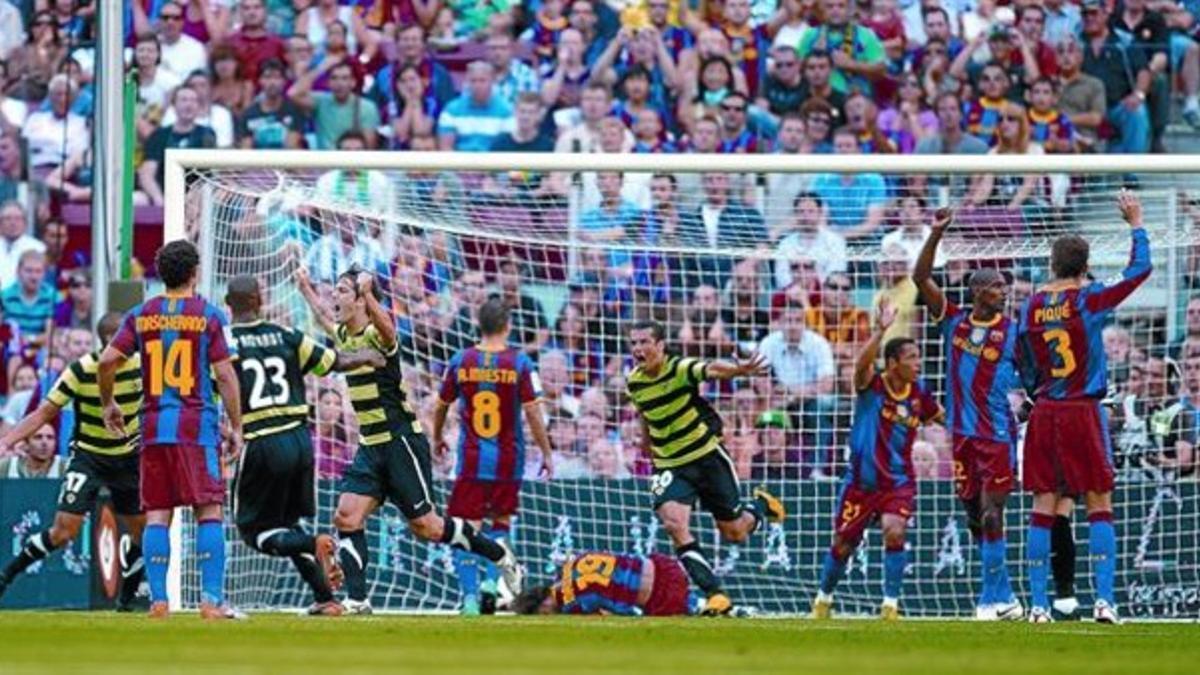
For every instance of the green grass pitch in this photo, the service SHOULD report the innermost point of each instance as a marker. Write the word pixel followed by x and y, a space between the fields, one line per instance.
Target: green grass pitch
pixel 99 642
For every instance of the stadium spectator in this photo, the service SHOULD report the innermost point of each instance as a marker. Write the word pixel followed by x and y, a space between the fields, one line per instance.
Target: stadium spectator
pixel 184 132
pixel 818 85
pixel 33 64
pixel 75 310
pixel 155 83
pixel 703 333
pixel 272 122
pixel 51 136
pixel 12 166
pixel 606 461
pixel 354 187
pixel 856 53
pixel 836 318
pixel 854 203
pixel 862 118
pixel 527 319
pixel 912 231
pixel 807 234
pixel 612 220
pixel 471 122
pixel 746 320
pixel 784 89
pixel 28 302
pixel 23 380
pixel 15 240
pixel 722 221
pixel 936 26
pixel 230 87
pixel 555 376
pixel 182 54
pixel 897 289
pixel 314 23
pixel 951 140
pixel 1048 126
pixel 1106 58
pixel 40 458
pixel 337 111
pixel 777 459
pixel 513 76
pixel 12 28
pixel 736 135
pixel 1011 192
pixel 1145 36
pixel 1081 96
pixel 337 250
pixel 573 337
pixel 253 44
pixel 1063 21
pixel 331 442
pixel 53 233
pixel 910 120
pixel 1191 329
pixel 528 135
pixel 983 112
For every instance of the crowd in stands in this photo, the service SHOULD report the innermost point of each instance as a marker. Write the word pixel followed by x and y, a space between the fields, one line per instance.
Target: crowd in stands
pixel 791 77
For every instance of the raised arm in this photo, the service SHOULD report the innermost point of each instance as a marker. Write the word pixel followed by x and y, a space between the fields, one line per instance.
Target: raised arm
pixel 378 315
pixel 864 366
pixel 725 369
pixel 314 301
pixel 922 274
pixel 1138 269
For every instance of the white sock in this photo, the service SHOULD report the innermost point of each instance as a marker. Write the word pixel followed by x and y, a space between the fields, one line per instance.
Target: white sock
pixel 891 602
pixel 822 596
pixel 1192 102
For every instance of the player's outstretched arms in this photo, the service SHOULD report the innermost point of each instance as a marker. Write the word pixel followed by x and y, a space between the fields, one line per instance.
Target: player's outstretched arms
pixel 864 366
pixel 725 369
pixel 347 361
pixel 922 274
pixel 304 283
pixel 1139 267
pixel 43 415
pixel 380 318
pixel 110 359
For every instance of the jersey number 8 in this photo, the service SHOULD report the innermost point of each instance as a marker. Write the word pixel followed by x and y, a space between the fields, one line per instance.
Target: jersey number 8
pixel 485 414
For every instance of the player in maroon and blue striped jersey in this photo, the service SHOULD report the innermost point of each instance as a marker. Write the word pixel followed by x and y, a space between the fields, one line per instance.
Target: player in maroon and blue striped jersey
pixel 880 483
pixel 180 338
pixel 495 385
pixel 980 346
pixel 1067 445
pixel 598 582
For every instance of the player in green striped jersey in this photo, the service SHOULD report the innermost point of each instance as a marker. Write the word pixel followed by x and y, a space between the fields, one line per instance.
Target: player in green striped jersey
pixel 99 459
pixel 393 459
pixel 275 487
pixel 683 434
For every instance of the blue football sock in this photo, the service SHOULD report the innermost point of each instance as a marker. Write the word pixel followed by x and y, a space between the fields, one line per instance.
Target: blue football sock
pixel 1037 556
pixel 993 569
pixel 210 550
pixel 156 551
pixel 985 582
pixel 831 572
pixel 1102 546
pixel 894 562
pixel 466 565
pixel 1004 591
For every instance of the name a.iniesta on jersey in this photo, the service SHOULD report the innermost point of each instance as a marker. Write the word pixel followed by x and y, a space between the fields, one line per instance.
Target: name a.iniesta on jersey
pixel 491 375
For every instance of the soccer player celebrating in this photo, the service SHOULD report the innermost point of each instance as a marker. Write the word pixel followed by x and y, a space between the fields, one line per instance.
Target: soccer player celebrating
pixel 1062 360
pixel 879 482
pixel 980 343
pixel 180 339
pixel 275 485
pixel 493 384
pixel 99 458
pixel 684 435
pixel 393 460
pixel 598 582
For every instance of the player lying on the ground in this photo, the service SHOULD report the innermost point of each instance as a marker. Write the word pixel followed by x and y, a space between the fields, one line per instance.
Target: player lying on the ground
pixel 598 582
pixel 880 484
pixel 393 460
pixel 180 339
pixel 1067 447
pixel 980 344
pixel 495 386
pixel 683 433
pixel 275 486
pixel 99 459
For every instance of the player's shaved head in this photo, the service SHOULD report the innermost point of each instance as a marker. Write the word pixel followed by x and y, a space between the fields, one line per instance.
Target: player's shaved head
pixel 243 294
pixel 107 327
pixel 986 276
pixel 1069 256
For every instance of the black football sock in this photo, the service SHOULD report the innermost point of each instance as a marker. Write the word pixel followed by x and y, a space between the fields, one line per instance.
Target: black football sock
pixel 353 554
pixel 691 556
pixel 133 572
pixel 462 535
pixel 1062 557
pixel 314 576
pixel 284 543
pixel 36 548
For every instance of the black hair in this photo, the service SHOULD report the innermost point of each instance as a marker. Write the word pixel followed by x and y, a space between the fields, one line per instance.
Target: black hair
pixel 271 64
pixel 243 294
pixel 807 197
pixel 657 330
pixel 894 346
pixel 529 600
pixel 1069 256
pixel 176 263
pixel 352 275
pixel 493 316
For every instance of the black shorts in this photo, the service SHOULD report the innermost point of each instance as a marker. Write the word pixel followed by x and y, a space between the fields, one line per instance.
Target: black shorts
pixel 87 472
pixel 399 470
pixel 275 484
pixel 711 478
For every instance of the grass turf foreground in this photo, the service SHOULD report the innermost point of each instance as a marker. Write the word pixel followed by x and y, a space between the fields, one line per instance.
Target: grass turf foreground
pixel 102 642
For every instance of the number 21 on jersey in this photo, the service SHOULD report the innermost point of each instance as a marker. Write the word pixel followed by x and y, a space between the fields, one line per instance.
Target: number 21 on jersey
pixel 172 369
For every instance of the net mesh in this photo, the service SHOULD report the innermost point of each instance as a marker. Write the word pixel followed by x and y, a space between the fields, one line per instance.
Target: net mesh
pixel 719 258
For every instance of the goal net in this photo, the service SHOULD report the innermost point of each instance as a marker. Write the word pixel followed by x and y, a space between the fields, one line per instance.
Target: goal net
pixel 734 254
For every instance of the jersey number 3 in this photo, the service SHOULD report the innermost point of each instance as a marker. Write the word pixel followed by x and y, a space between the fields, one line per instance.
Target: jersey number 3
pixel 259 396
pixel 485 414
pixel 1060 341
pixel 173 369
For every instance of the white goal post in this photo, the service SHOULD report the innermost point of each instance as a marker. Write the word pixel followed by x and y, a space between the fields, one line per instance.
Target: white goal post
pixel 259 212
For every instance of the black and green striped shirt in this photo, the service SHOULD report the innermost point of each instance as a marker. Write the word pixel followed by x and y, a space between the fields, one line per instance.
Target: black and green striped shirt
pixel 683 426
pixel 377 395
pixel 79 386
pixel 272 362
